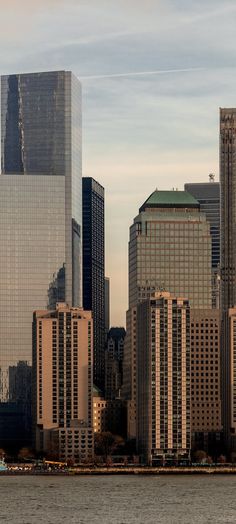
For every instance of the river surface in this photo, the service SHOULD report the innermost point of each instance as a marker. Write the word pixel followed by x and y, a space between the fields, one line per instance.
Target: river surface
pixel 118 499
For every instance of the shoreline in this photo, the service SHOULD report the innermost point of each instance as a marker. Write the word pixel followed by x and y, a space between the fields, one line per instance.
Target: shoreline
pixel 172 470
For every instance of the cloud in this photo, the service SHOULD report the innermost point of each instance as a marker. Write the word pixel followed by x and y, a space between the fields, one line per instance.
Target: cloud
pixel 141 73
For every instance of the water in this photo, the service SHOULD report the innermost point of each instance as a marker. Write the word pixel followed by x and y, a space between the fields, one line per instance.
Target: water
pixel 118 500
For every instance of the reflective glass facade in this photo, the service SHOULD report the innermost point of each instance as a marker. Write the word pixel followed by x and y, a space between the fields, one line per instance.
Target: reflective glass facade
pixel 208 196
pixel 93 270
pixel 41 211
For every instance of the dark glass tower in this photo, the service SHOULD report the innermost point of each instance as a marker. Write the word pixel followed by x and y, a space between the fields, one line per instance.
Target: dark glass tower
pixel 208 196
pixel 40 216
pixel 93 270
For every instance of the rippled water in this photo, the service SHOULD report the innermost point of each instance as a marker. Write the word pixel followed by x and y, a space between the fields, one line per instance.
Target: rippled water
pixel 118 499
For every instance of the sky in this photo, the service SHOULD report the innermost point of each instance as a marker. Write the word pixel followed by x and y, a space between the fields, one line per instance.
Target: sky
pixel 154 129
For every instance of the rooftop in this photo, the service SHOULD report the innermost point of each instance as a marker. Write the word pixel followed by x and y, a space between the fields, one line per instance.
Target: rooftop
pixel 170 199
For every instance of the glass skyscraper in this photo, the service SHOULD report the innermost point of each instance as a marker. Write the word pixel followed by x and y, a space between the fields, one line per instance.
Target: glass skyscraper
pixel 208 196
pixel 93 270
pixel 40 217
pixel 170 249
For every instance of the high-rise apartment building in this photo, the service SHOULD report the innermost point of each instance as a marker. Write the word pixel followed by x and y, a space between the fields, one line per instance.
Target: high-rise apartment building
pixel 228 263
pixel 169 250
pixel 208 196
pixel 163 372
pixel 63 381
pixel 40 213
pixel 93 270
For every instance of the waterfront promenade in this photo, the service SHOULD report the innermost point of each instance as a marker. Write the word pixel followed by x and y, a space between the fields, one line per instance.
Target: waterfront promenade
pixel 168 470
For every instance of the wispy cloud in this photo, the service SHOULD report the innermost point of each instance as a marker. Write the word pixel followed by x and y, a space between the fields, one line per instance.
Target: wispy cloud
pixel 143 73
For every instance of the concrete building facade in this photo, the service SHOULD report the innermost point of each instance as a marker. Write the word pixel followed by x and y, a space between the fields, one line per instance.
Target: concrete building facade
pixel 206 424
pixel 62 378
pixel 163 371
pixel 228 261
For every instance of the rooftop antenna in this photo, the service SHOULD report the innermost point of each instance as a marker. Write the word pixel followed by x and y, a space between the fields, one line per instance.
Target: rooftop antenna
pixel 211 177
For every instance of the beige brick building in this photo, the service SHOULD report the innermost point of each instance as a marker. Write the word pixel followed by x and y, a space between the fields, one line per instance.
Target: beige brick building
pixel 62 380
pixel 163 373
pixel 205 376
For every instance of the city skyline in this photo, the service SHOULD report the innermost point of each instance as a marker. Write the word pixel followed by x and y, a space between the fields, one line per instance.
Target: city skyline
pixel 140 132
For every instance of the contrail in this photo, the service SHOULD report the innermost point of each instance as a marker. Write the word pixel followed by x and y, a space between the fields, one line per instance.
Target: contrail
pixel 142 73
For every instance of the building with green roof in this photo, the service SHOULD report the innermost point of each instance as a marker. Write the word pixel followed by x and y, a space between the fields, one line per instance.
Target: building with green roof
pixel 170 249
pixel 169 199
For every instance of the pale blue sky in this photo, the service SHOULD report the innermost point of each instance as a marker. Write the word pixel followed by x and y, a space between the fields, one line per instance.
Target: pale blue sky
pixel 139 132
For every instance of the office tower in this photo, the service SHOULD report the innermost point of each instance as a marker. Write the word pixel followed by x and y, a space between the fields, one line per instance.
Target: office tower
pixel 228 261
pixel 62 381
pixel 163 372
pixel 169 249
pixel 208 196
pixel 114 362
pixel 107 306
pixel 205 380
pixel 130 372
pixel 93 270
pixel 40 209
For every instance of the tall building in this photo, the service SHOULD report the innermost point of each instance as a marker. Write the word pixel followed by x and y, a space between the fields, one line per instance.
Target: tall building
pixel 208 196
pixel 107 306
pixel 40 211
pixel 163 372
pixel 93 270
pixel 228 262
pixel 170 250
pixel 63 382
pixel 129 386
pixel 205 381
pixel 229 396
pixel 114 362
